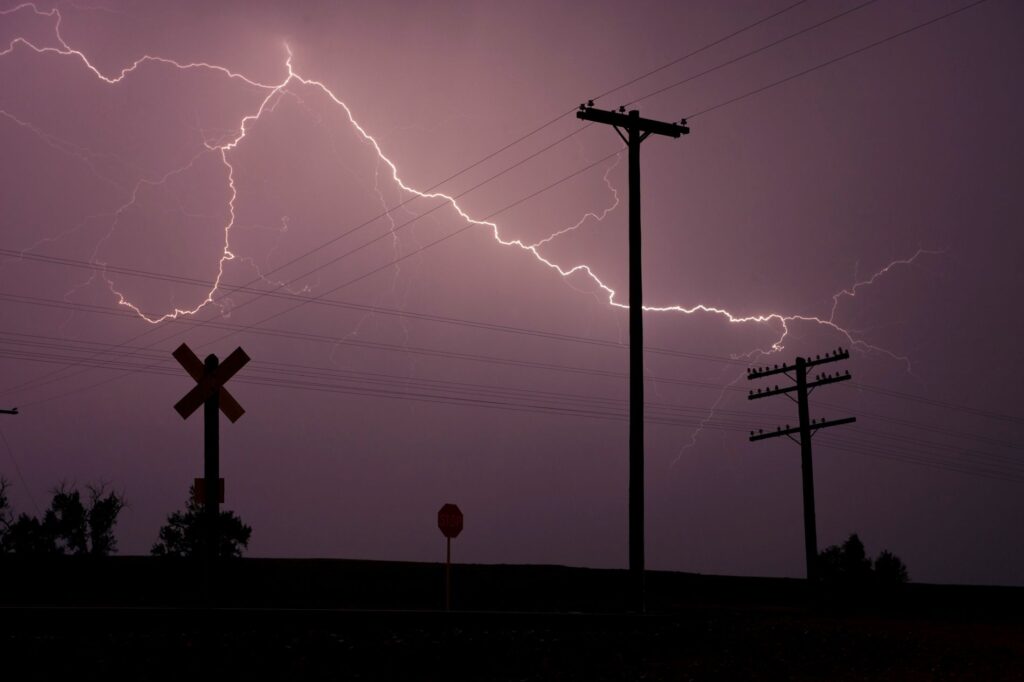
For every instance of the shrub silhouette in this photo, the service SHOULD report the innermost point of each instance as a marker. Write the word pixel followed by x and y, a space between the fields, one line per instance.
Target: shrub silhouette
pixel 185 532
pixel 889 569
pixel 850 565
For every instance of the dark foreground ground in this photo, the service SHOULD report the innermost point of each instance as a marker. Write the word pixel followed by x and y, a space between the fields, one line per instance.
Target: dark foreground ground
pixel 142 618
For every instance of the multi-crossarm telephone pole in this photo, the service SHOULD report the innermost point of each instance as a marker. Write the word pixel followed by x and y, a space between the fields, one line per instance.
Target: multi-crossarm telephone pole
pixel 806 429
pixel 636 131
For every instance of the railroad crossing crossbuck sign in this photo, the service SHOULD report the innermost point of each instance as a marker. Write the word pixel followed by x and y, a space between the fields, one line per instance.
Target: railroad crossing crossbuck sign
pixel 209 391
pixel 207 383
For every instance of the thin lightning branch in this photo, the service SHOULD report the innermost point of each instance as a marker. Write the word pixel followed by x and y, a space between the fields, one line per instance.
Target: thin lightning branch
pixel 273 92
pixel 704 421
pixel 598 217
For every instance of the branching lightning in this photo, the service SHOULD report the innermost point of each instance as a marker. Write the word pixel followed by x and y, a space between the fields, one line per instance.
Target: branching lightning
pixel 224 144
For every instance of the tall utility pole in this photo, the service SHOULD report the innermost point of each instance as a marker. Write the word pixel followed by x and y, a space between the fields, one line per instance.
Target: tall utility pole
pixel 806 429
pixel 636 131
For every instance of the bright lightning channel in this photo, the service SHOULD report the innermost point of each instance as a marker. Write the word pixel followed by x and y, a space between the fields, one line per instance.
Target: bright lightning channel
pixel 274 91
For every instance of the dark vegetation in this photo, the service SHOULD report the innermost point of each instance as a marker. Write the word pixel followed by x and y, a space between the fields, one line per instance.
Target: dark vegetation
pixel 849 565
pixel 69 610
pixel 77 525
pixel 185 531
pixel 69 526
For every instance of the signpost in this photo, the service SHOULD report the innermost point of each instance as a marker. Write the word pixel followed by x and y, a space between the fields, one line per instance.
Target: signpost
pixel 449 520
pixel 209 392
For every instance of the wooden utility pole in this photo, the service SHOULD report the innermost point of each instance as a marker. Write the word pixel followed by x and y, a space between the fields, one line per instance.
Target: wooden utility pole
pixel 636 131
pixel 807 427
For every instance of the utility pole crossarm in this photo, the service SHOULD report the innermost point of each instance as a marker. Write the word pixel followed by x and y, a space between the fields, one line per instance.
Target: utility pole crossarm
pixel 796 429
pixel 789 389
pixel 834 356
pixel 620 119
pixel 13 410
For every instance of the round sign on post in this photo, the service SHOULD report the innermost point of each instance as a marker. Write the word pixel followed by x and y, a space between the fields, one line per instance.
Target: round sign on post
pixel 449 520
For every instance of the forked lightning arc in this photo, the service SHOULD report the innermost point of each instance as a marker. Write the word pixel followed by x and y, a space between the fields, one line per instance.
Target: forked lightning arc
pixel 273 91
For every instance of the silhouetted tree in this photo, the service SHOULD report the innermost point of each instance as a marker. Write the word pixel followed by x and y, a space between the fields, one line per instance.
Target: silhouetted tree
pixel 66 521
pixel 185 532
pixel 849 564
pixel 68 526
pixel 6 517
pixel 890 569
pixel 28 536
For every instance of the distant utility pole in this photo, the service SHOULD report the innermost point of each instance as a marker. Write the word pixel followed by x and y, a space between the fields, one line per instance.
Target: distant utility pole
pixel 13 410
pixel 806 429
pixel 636 131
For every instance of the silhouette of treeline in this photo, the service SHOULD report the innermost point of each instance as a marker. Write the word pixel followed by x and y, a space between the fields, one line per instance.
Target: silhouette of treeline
pixel 77 524
pixel 849 565
pixel 70 525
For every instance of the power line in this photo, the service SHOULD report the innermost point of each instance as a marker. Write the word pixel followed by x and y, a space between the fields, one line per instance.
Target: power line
pixel 686 56
pixel 375 309
pixel 981 413
pixel 491 155
pixel 548 399
pixel 35 342
pixel 857 447
pixel 770 45
pixel 336 340
pixel 453 355
pixel 938 403
pixel 835 59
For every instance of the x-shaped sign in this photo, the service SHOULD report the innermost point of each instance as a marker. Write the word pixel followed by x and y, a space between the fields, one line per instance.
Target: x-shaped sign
pixel 206 384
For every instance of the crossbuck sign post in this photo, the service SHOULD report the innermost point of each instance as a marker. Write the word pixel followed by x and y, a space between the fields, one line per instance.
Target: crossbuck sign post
pixel 209 391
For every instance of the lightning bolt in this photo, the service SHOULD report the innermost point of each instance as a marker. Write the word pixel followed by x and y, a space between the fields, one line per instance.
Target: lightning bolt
pixel 225 144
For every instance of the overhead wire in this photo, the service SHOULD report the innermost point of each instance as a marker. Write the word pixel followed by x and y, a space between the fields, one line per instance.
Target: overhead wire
pixel 832 61
pixel 909 396
pixel 491 155
pixel 452 392
pixel 759 50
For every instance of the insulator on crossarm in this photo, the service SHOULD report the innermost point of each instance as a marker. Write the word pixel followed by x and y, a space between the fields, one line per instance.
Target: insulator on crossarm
pixel 590 102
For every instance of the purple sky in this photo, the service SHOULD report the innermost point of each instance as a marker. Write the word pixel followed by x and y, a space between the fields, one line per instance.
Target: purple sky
pixel 360 424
